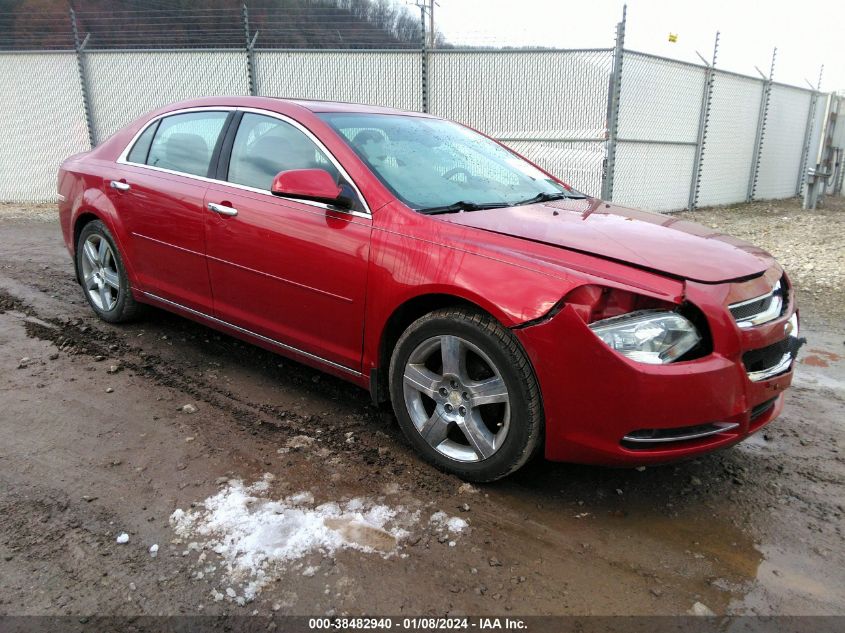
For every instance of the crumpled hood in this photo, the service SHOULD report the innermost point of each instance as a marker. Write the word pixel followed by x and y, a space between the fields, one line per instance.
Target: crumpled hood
pixel 653 241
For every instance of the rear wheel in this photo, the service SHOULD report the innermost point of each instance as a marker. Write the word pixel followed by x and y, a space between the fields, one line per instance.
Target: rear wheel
pixel 103 277
pixel 465 394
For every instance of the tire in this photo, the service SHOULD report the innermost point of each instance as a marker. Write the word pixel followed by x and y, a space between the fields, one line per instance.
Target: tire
pixel 465 394
pixel 102 275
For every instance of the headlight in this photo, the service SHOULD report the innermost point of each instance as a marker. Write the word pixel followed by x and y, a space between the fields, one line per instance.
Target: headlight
pixel 649 336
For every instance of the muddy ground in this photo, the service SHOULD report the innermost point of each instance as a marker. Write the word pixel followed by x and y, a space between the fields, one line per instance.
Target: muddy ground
pixel 94 443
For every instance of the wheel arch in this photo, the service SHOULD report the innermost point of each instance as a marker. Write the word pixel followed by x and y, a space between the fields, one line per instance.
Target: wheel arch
pixel 83 218
pixel 89 210
pixel 398 321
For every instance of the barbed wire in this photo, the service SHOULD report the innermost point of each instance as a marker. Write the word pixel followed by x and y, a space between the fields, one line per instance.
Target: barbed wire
pixel 316 24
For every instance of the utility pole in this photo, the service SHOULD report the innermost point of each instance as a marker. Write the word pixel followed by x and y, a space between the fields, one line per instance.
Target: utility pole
pixel 431 24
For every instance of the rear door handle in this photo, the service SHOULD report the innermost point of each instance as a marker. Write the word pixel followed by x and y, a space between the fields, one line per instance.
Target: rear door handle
pixel 222 209
pixel 120 185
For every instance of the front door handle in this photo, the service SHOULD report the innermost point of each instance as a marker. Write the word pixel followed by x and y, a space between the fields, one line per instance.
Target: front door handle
pixel 119 185
pixel 222 209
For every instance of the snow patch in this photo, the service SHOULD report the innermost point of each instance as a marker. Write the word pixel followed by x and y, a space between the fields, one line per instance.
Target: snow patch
pixel 442 521
pixel 256 536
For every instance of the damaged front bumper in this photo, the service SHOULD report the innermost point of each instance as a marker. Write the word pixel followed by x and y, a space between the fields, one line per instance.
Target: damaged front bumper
pixel 603 408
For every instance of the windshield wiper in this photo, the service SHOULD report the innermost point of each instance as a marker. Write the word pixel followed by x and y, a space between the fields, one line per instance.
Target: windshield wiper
pixel 462 205
pixel 547 197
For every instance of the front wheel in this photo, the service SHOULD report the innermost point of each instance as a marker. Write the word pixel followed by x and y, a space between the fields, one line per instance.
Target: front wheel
pixel 465 394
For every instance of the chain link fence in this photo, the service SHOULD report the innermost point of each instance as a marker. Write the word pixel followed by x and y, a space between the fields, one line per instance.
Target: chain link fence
pixel 783 142
pixel 681 140
pixel 377 77
pixel 43 122
pixel 659 112
pixel 126 84
pixel 731 138
pixel 550 106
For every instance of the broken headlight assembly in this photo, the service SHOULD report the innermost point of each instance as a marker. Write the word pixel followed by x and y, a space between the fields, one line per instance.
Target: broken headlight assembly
pixel 655 337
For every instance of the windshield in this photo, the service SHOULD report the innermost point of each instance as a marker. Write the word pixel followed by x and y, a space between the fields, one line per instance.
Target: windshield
pixel 438 166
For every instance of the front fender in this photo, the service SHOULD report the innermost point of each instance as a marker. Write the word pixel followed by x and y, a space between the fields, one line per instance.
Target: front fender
pixel 404 268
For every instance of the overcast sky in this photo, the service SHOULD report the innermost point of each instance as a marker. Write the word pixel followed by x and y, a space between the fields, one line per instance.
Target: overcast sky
pixel 807 33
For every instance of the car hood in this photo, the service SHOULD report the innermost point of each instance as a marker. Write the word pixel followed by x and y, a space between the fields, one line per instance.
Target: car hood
pixel 661 243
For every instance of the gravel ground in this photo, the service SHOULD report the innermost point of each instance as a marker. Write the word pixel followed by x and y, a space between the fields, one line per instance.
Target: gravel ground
pixel 96 442
pixel 810 245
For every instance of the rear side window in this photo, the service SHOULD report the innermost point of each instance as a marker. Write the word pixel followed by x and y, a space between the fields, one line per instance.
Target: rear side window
pixel 142 146
pixel 185 142
pixel 264 146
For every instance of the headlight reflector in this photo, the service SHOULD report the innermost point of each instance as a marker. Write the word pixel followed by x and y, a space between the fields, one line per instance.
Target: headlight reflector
pixel 649 336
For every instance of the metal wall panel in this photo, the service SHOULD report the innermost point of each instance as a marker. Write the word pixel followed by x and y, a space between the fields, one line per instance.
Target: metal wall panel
pixel 386 78
pixel 43 122
pixel 731 133
pixel 783 142
pixel 125 84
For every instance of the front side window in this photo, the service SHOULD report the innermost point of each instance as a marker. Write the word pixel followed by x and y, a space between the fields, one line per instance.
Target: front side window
pixel 265 146
pixel 185 142
pixel 431 164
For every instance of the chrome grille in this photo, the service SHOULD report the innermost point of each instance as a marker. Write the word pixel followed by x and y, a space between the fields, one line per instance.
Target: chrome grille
pixel 773 360
pixel 762 309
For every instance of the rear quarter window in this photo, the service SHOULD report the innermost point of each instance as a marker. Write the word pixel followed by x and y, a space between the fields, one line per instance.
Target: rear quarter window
pixel 141 149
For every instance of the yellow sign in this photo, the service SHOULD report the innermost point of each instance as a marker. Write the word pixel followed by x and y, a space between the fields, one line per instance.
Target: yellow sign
pixel 673 37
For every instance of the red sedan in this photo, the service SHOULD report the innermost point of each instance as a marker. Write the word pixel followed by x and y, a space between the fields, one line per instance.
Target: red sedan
pixel 500 311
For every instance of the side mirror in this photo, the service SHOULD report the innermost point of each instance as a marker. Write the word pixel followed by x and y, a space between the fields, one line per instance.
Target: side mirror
pixel 309 184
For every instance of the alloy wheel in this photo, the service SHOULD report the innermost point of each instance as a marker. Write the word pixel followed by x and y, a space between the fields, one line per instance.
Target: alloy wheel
pixel 456 398
pixel 100 277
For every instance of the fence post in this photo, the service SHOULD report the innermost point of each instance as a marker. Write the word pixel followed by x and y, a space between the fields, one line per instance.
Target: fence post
pixel 805 149
pixel 703 122
pixel 808 134
pixel 613 110
pixel 761 129
pixel 423 60
pixel 250 52
pixel 79 47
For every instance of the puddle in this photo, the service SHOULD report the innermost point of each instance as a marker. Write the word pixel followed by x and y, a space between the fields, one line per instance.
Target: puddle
pixel 787 582
pixel 642 523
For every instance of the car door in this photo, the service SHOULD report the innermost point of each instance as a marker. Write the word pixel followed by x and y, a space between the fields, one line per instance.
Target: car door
pixel 160 198
pixel 293 271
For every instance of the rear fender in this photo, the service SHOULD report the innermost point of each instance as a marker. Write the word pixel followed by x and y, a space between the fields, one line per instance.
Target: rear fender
pixel 90 203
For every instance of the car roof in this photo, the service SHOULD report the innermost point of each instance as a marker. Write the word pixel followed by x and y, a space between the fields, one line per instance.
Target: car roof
pixel 316 105
pixel 282 104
